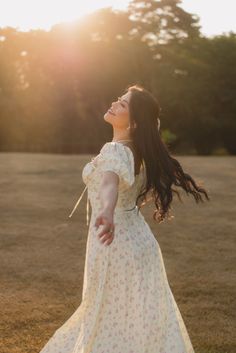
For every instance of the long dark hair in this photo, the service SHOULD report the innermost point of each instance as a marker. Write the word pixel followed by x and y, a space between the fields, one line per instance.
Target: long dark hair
pixel 162 170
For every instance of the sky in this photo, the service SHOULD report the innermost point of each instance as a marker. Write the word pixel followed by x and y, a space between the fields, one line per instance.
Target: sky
pixel 216 17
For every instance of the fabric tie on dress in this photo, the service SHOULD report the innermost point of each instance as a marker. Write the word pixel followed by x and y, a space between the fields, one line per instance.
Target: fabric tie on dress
pixel 87 205
pixel 135 208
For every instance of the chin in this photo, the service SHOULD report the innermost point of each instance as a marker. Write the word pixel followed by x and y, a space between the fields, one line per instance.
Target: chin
pixel 107 117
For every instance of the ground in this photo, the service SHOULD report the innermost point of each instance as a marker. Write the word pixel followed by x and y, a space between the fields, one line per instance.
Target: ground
pixel 43 250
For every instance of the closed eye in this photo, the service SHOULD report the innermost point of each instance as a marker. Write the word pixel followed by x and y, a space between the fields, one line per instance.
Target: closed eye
pixel 123 105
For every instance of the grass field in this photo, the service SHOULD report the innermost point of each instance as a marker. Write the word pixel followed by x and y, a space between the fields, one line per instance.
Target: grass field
pixel 43 251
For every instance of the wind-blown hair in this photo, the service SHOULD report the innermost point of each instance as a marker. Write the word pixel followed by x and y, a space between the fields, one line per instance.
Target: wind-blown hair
pixel 162 170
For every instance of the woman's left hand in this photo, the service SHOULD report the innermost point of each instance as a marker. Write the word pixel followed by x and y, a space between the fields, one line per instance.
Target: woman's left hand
pixel 106 234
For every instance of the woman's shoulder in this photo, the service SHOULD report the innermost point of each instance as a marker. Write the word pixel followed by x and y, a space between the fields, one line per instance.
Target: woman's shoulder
pixel 114 146
pixel 121 151
pixel 117 151
pixel 114 156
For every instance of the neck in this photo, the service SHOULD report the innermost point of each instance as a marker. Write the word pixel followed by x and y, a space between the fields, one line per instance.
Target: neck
pixel 121 135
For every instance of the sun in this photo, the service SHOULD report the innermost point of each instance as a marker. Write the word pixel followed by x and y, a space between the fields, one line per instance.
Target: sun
pixel 28 14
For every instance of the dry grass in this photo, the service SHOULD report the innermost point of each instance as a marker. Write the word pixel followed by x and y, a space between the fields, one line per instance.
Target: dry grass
pixel 43 251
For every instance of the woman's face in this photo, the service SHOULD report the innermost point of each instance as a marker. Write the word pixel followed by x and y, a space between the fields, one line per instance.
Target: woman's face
pixel 118 114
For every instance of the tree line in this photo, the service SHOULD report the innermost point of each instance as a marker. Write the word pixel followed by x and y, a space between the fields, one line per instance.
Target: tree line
pixel 55 86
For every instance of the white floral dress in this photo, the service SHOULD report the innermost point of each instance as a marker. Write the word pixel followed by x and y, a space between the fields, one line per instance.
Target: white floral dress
pixel 127 305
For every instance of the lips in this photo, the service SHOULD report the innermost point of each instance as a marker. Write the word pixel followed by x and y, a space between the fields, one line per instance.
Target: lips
pixel 111 112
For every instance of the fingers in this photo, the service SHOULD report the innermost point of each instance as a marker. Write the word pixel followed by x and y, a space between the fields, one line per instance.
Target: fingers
pixel 106 230
pixel 106 234
pixel 107 239
pixel 103 237
pixel 107 226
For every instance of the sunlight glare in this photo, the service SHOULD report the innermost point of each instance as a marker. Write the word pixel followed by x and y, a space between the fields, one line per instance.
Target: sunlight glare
pixel 43 14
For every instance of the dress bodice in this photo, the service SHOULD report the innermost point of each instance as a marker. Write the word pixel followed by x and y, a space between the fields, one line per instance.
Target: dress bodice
pixel 116 157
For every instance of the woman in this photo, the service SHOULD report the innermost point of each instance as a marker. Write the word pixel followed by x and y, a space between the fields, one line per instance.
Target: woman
pixel 127 305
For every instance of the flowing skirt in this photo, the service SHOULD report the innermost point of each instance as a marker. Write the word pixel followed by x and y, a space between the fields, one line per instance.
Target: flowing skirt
pixel 127 304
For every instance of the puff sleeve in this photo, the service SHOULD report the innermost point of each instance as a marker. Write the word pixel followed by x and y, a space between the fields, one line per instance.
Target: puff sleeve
pixel 118 158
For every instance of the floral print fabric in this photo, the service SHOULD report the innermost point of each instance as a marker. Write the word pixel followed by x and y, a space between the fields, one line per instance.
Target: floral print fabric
pixel 127 304
pixel 119 160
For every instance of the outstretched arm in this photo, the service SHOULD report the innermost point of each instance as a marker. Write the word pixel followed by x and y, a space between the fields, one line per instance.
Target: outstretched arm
pixel 108 195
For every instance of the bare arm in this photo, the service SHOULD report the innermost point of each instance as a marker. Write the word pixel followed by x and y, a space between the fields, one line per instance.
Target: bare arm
pixel 108 195
pixel 108 192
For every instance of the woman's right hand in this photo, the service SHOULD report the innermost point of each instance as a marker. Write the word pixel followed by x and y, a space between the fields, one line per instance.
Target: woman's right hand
pixel 105 219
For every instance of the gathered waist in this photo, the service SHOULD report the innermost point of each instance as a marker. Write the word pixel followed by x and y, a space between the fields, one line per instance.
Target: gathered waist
pixel 128 209
pixel 121 212
pixel 118 209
